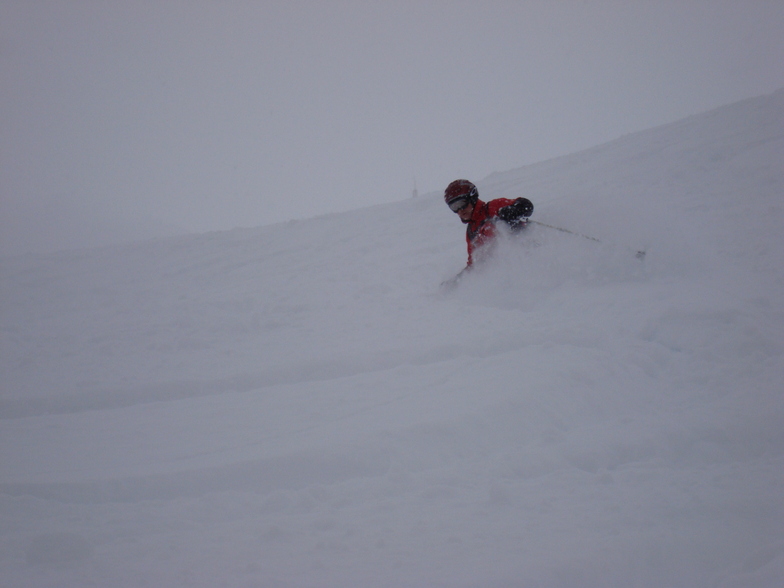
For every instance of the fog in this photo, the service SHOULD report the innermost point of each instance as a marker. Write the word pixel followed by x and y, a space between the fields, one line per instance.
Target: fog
pixel 134 120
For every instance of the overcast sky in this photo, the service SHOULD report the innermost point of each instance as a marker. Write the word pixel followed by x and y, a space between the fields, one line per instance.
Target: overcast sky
pixel 123 118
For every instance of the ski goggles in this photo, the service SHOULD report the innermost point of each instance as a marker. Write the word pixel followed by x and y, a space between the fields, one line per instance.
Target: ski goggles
pixel 458 204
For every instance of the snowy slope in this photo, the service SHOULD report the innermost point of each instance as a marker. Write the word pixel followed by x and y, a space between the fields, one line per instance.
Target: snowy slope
pixel 301 405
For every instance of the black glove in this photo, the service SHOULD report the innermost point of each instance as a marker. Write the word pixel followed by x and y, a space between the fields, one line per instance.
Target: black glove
pixel 516 212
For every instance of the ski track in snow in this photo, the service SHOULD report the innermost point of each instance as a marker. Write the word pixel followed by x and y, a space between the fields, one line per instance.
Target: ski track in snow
pixel 302 405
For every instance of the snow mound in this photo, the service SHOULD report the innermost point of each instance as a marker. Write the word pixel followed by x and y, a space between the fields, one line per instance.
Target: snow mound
pixel 303 405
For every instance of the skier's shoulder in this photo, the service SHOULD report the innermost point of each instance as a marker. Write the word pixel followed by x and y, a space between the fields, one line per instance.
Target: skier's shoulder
pixel 493 206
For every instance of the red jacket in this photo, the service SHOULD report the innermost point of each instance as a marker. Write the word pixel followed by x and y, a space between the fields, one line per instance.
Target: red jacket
pixel 481 228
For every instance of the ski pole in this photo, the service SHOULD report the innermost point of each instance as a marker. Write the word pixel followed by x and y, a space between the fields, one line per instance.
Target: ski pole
pixel 639 254
pixel 565 231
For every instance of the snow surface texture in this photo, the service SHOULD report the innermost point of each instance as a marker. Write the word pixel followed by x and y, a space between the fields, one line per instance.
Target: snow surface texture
pixel 302 405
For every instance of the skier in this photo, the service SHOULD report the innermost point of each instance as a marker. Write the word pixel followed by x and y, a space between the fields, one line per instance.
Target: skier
pixel 462 197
